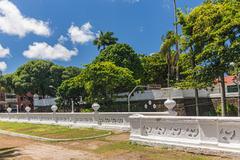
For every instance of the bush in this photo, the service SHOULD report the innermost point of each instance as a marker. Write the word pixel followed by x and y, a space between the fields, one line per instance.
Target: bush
pixel 86 110
pixel 231 110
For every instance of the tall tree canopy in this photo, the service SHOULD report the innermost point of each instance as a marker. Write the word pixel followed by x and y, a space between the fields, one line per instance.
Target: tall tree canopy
pixel 213 31
pixel 38 77
pixel 71 90
pixel 104 39
pixel 104 79
pixel 121 55
pixel 154 70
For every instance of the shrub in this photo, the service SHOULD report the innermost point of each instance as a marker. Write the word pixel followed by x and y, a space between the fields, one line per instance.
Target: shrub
pixel 231 110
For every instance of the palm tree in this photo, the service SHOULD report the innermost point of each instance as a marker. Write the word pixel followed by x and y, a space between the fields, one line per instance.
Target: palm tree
pixel 104 39
pixel 166 49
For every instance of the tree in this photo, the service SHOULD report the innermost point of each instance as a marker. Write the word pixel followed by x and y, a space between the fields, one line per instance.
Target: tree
pixel 35 77
pixel 55 77
pixel 6 83
pixel 38 77
pixel 154 69
pixel 171 56
pixel 70 72
pixel 104 39
pixel 103 80
pixel 121 55
pixel 71 90
pixel 213 28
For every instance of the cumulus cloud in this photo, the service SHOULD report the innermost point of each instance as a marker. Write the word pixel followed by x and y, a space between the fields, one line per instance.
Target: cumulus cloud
pixel 82 34
pixel 4 52
pixel 12 21
pixel 42 50
pixel 3 66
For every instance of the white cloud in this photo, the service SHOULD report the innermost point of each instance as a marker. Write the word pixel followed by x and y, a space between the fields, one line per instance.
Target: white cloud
pixel 3 66
pixel 12 21
pixel 62 39
pixel 81 34
pixel 42 50
pixel 4 52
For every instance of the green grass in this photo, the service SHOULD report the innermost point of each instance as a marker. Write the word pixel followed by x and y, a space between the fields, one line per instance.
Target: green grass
pixel 51 131
pixel 151 153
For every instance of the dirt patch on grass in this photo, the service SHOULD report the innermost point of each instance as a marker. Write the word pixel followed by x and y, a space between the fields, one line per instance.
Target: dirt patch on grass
pixel 35 150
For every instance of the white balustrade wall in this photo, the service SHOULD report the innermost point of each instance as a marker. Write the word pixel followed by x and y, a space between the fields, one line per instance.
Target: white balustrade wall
pixel 104 120
pixel 201 134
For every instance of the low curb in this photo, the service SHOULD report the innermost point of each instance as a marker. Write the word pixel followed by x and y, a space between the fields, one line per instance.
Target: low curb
pixel 49 139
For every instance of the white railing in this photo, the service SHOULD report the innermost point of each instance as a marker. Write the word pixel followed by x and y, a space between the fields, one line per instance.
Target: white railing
pixel 204 134
pixel 106 120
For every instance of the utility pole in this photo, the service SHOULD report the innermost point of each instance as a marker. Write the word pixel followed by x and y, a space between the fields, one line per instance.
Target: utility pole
pixel 176 34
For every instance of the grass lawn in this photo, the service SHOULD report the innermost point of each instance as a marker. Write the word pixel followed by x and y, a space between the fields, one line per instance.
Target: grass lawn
pixel 51 131
pixel 118 147
pixel 150 153
pixel 115 146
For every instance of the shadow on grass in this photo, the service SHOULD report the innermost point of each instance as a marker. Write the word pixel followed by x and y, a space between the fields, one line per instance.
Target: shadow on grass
pixel 8 153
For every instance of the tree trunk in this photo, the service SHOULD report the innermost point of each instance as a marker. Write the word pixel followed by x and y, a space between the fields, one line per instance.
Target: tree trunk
pixel 196 101
pixel 195 89
pixel 223 95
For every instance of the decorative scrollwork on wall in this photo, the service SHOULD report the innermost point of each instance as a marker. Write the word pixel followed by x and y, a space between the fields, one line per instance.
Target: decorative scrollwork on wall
pixel 172 131
pixel 192 132
pixel 111 120
pixel 227 135
pixel 175 131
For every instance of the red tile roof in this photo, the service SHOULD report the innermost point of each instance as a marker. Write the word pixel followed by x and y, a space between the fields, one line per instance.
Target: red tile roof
pixel 229 80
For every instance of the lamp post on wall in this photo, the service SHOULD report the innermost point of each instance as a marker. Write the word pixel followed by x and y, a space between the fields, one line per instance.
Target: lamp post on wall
pixel 17 108
pixel 28 109
pixel 54 109
pixel 72 106
pixel 237 82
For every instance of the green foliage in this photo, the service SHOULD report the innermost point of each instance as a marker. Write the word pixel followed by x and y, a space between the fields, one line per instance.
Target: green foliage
pixel 34 76
pixel 231 110
pixel 86 110
pixel 98 82
pixel 104 39
pixel 170 54
pixel 121 55
pixel 6 83
pixel 212 30
pixel 190 74
pixel 154 69
pixel 38 77
pixel 104 79
pixel 70 90
pixel 212 39
pixel 70 72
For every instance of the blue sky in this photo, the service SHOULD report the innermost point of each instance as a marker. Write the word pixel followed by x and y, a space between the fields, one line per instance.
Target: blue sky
pixel 30 29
